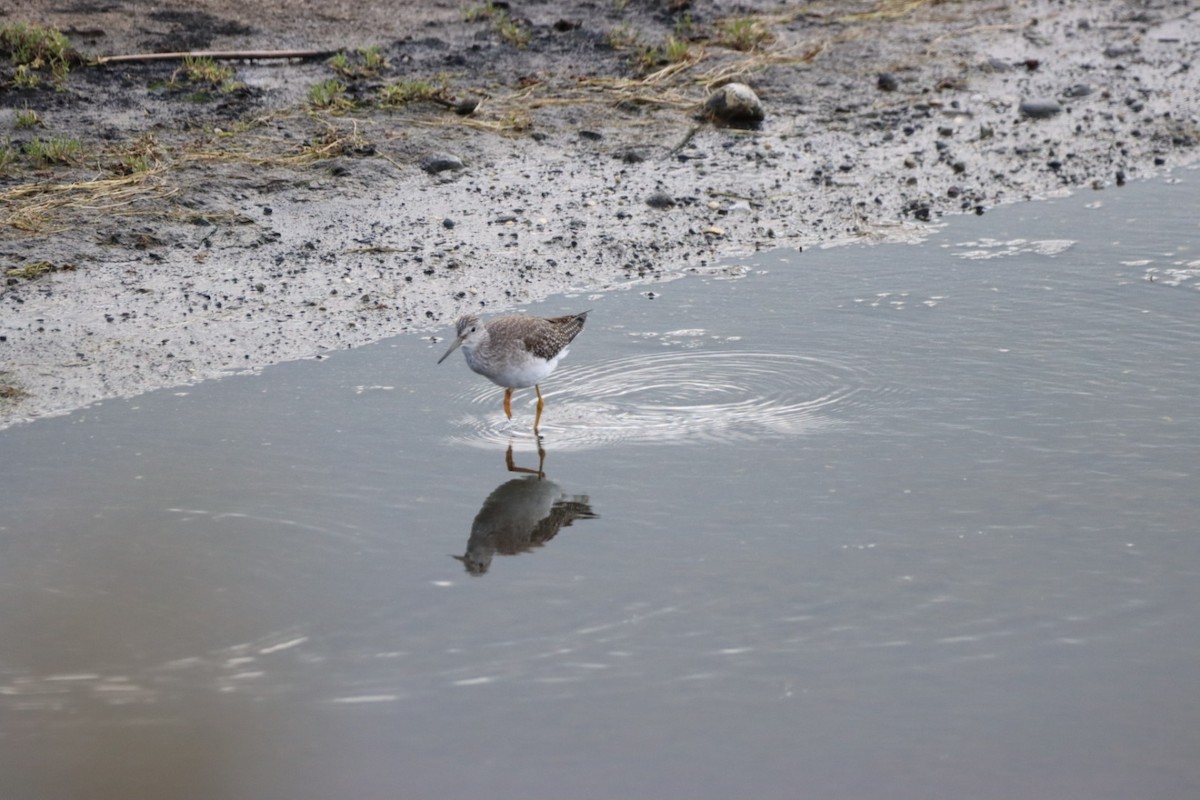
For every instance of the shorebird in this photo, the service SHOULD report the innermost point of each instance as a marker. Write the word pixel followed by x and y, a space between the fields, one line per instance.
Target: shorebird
pixel 516 351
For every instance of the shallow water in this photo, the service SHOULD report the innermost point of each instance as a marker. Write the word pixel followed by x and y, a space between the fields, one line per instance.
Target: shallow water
pixel 903 521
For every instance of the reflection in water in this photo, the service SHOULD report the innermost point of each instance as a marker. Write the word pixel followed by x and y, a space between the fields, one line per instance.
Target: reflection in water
pixel 521 514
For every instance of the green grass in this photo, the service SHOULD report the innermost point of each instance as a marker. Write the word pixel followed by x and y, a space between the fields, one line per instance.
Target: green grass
pixel 205 73
pixel 33 48
pixel 676 50
pixel 401 93
pixel 329 94
pixel 509 29
pixel 621 37
pixel 8 154
pixel 26 118
pixel 55 150
pixel 373 59
pixel 140 155
pixel 340 63
pixel 646 56
pixel 742 33
pixel 367 62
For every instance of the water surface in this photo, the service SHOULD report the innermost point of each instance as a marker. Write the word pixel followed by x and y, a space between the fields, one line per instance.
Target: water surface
pixel 895 522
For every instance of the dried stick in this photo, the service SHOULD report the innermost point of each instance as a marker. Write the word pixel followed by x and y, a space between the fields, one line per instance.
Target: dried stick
pixel 246 55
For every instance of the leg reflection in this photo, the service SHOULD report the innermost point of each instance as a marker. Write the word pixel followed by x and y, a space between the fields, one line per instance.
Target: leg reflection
pixel 512 465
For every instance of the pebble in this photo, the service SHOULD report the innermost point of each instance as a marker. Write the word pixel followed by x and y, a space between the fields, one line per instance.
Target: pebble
pixel 1040 109
pixel 1078 90
pixel 661 201
pixel 734 103
pixel 887 82
pixel 441 162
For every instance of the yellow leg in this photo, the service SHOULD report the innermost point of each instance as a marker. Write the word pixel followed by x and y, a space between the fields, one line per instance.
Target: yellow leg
pixel 541 404
pixel 508 403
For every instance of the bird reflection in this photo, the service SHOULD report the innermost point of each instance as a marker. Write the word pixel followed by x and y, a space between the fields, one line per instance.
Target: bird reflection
pixel 520 515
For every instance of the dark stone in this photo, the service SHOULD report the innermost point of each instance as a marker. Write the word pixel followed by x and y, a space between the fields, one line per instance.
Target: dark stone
pixel 1040 109
pixel 441 162
pixel 661 201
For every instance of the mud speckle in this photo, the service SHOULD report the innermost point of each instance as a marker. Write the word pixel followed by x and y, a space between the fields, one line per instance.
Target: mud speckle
pixel 219 222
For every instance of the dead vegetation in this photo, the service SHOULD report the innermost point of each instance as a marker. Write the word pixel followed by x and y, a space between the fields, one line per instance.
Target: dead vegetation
pixel 59 179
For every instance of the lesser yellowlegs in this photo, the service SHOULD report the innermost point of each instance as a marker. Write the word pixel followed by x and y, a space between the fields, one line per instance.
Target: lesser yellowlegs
pixel 516 351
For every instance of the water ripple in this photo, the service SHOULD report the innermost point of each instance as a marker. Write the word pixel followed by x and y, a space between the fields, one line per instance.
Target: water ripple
pixel 692 396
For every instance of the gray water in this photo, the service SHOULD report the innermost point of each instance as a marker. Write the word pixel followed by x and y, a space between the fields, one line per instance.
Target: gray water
pixel 862 522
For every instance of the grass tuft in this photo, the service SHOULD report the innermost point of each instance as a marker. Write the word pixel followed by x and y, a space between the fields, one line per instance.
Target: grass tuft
pixel 743 33
pixel 26 118
pixel 329 95
pixel 54 150
pixel 33 48
pixel 509 28
pixel 206 73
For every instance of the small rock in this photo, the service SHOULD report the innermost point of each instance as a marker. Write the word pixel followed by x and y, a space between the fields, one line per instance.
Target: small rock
pixel 734 103
pixel 1119 50
pixel 1078 90
pixel 887 82
pixel 661 201
pixel 1040 109
pixel 448 223
pixel 591 136
pixel 441 162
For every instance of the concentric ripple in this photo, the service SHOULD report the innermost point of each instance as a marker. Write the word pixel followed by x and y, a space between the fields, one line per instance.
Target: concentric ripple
pixel 690 396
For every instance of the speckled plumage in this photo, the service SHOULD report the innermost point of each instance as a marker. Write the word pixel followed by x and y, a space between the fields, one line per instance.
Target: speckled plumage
pixel 516 351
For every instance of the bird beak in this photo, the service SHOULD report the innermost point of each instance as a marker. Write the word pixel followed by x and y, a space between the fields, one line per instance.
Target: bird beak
pixel 453 347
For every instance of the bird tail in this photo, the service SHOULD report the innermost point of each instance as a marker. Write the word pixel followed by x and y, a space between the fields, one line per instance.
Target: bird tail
pixel 572 324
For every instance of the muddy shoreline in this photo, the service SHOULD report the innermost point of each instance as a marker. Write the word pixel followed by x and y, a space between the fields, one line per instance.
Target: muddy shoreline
pixel 205 229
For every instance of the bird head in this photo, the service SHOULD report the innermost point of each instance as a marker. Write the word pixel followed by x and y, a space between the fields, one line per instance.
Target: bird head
pixel 469 330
